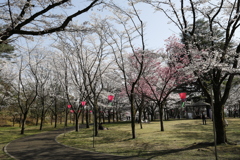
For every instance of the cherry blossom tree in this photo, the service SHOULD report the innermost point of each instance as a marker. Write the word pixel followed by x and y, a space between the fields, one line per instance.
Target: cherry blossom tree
pixel 38 17
pixel 214 64
pixel 71 72
pixel 86 56
pixel 43 72
pixel 120 41
pixel 26 87
pixel 6 82
pixel 163 73
pixel 233 103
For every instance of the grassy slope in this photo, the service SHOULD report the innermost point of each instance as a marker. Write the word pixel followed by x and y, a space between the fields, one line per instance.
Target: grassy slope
pixel 182 139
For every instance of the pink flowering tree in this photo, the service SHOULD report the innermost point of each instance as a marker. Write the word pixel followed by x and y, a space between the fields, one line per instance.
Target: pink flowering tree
pixel 163 73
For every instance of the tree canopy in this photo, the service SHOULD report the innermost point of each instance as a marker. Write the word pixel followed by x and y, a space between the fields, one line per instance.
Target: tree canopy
pixel 38 17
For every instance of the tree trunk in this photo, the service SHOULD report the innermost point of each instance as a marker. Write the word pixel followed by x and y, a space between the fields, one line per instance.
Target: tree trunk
pixel 23 122
pixel 219 124
pixel 140 117
pixel 20 120
pixel 51 119
pixel 239 109
pixel 103 116
pixel 109 115
pixel 42 119
pixel 113 117
pixel 152 116
pixel 14 117
pixel 56 118
pixel 161 116
pixel 117 116
pixel 87 118
pixel 66 119
pixel 133 119
pixel 95 119
pixel 83 117
pixel 76 122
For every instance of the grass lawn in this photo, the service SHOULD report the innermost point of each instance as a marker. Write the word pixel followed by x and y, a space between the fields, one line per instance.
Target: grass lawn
pixel 182 140
pixel 8 134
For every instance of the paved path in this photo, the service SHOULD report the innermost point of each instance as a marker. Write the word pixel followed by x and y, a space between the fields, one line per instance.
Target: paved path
pixel 44 147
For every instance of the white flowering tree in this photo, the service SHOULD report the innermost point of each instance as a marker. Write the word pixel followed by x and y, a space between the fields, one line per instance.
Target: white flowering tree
pixel 127 39
pixel 233 103
pixel 214 65
pixel 39 17
pixel 26 86
pixel 86 58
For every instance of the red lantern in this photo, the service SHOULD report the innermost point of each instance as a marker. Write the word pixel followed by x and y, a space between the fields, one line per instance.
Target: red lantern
pixel 183 96
pixel 83 103
pixel 110 98
pixel 69 106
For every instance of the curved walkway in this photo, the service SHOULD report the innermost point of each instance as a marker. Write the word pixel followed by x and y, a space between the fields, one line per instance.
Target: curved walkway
pixel 44 147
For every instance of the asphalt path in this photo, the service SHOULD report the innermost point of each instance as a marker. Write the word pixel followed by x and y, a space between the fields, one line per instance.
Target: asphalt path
pixel 43 146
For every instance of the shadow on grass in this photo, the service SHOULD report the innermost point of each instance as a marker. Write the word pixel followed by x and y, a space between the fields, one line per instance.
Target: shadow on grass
pixel 159 153
pixel 153 154
pixel 171 151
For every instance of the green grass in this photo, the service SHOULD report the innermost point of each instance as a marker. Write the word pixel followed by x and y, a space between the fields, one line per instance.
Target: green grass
pixel 8 134
pixel 182 139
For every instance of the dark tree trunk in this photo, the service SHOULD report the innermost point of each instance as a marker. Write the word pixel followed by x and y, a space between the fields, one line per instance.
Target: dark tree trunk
pixel 161 116
pixel 20 120
pixel 103 116
pixel 66 119
pixel 109 116
pixel 23 122
pixel 95 118
pixel 87 118
pixel 37 119
pixel 140 117
pixel 117 117
pixel 51 119
pixel 42 119
pixel 133 118
pixel 95 124
pixel 219 123
pixel 113 117
pixel 83 117
pixel 152 116
pixel 14 118
pixel 55 122
pixel 76 122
